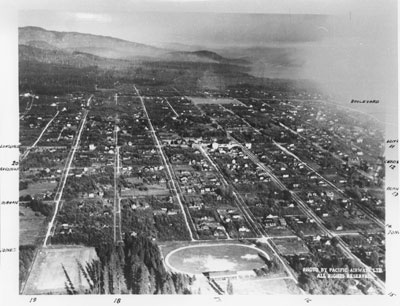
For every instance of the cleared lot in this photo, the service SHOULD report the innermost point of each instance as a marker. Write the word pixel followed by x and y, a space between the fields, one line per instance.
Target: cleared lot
pixel 199 100
pixel 264 286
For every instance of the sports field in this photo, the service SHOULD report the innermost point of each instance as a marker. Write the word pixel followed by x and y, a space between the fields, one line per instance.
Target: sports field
pixel 215 257
pixel 47 275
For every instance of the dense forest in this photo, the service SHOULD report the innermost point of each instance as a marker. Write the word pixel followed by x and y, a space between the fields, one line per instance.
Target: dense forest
pixel 37 205
pixel 133 268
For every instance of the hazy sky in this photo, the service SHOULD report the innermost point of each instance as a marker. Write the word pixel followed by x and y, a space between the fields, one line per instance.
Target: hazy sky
pixel 162 21
pixel 348 46
pixel 370 7
pixel 189 28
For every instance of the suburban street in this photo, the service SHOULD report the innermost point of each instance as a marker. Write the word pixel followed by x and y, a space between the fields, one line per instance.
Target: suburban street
pixel 65 172
pixel 166 165
pixel 27 151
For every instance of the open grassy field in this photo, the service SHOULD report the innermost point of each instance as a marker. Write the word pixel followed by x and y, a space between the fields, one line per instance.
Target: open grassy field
pixel 47 275
pixel 199 100
pixel 290 246
pixel 32 226
pixel 278 231
pixel 38 187
pixel 152 190
pixel 197 259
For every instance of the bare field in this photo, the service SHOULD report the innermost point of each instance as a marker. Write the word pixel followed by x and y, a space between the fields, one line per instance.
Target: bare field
pixel 262 286
pixel 32 226
pixel 47 275
pixel 199 100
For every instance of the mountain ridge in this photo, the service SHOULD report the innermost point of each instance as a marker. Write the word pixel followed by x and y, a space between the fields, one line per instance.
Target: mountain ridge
pixel 107 47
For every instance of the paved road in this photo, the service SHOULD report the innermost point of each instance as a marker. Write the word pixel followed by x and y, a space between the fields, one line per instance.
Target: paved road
pixel 364 209
pixel 64 175
pixel 250 218
pixel 180 192
pixel 176 114
pixel 333 186
pixel 309 213
pixel 167 167
pixel 117 200
pixel 26 153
